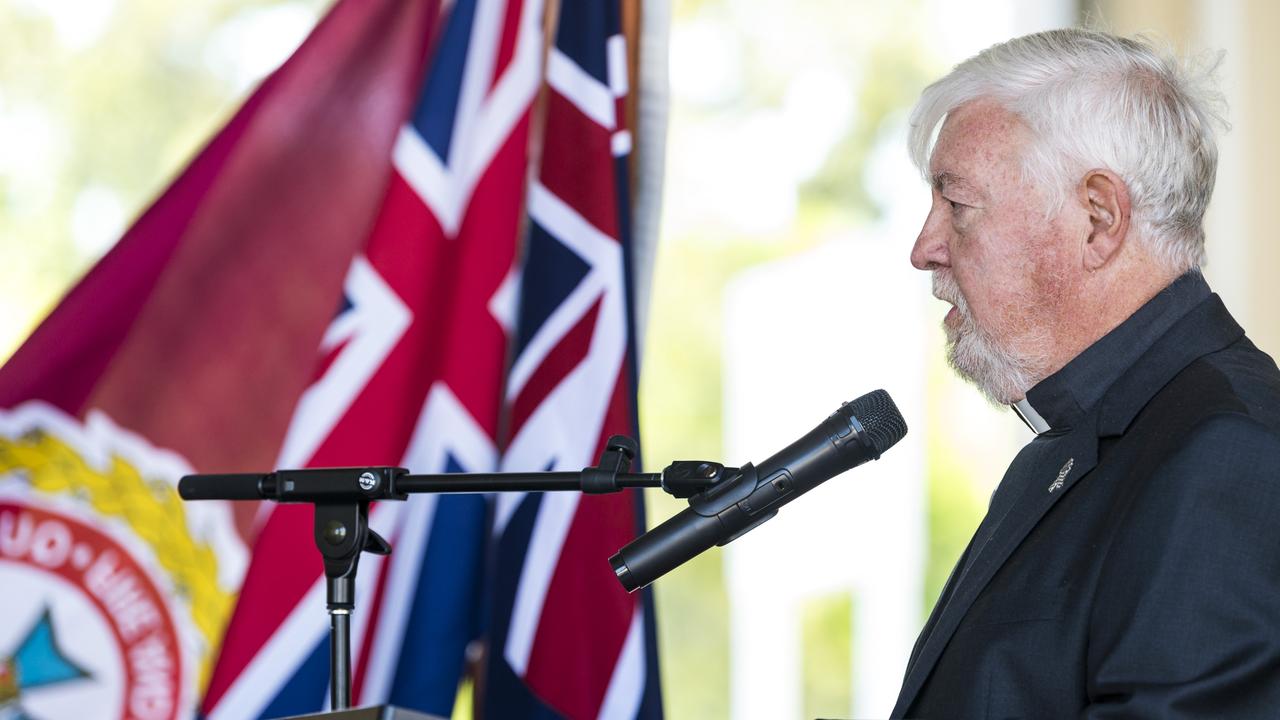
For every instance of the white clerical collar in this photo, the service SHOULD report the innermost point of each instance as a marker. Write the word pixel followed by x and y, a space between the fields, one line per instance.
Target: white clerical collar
pixel 1030 416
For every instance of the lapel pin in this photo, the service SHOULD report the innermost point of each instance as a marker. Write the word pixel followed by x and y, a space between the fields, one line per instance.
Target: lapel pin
pixel 1062 474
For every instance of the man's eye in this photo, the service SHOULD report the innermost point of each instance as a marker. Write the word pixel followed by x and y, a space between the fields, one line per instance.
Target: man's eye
pixel 955 206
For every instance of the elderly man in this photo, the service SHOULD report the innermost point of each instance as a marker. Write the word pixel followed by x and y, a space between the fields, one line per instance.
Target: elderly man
pixel 1129 564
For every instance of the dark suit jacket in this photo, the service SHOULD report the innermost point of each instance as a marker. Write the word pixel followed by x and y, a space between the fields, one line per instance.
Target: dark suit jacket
pixel 1147 584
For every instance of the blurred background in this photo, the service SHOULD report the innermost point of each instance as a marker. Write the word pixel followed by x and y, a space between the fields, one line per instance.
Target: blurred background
pixel 781 285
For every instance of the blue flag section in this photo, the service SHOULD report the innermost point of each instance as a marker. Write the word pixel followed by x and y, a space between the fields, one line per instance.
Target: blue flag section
pixel 564 639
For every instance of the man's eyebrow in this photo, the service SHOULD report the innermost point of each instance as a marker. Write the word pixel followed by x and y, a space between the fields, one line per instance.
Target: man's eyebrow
pixel 940 181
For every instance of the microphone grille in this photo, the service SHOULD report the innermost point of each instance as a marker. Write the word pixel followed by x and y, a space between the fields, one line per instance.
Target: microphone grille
pixel 880 418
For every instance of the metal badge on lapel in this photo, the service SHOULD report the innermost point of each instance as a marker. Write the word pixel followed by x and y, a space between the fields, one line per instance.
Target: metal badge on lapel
pixel 1062 474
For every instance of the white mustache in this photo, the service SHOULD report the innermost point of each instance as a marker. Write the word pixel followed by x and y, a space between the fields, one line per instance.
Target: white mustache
pixel 947 290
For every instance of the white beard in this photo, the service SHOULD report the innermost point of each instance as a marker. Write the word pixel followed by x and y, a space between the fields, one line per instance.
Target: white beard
pixel 994 365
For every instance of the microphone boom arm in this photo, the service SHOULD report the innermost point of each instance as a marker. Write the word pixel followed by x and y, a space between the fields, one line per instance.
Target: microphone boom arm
pixel 341 497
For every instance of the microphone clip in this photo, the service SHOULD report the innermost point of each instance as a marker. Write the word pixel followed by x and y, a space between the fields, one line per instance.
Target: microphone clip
pixel 687 478
pixel 617 457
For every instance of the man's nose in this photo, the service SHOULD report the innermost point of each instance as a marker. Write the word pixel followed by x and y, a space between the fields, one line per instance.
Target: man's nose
pixel 930 250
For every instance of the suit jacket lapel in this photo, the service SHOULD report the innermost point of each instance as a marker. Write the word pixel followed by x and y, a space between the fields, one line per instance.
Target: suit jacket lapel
pixel 1035 499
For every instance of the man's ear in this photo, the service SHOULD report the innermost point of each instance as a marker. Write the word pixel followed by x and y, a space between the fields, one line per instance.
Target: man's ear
pixel 1106 199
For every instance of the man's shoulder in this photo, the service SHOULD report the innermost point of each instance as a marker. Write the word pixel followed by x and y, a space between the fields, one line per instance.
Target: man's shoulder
pixel 1206 446
pixel 1240 380
pixel 1233 390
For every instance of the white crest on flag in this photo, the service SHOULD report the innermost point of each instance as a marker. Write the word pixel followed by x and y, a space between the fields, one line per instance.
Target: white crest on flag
pixel 93 537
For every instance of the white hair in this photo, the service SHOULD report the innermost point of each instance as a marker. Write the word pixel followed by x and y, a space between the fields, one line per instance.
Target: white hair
pixel 1093 100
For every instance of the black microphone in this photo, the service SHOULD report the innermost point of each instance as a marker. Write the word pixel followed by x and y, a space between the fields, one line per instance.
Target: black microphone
pixel 859 431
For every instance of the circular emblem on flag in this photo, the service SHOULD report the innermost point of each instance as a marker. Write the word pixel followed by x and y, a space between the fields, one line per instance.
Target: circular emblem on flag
pixel 115 593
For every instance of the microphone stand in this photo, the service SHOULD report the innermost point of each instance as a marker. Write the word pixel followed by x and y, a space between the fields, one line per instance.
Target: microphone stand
pixel 341 498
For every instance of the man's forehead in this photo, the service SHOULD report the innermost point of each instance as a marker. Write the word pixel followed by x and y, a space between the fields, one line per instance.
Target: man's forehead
pixel 972 138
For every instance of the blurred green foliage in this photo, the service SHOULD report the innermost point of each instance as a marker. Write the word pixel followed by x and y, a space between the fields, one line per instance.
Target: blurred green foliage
pixel 826 634
pixel 680 401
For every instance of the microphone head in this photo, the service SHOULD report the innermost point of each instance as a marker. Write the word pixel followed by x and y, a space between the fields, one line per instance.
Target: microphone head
pixel 880 419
